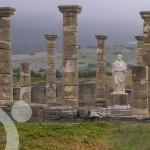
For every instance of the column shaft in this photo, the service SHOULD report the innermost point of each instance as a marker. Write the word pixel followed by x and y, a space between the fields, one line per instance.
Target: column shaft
pixel 25 82
pixel 6 87
pixel 100 71
pixel 70 54
pixel 51 70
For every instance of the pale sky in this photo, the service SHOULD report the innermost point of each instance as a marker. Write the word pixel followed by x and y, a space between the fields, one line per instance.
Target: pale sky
pixel 118 19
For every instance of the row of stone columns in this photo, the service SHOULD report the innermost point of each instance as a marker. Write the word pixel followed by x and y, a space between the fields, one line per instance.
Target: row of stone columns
pixel 70 62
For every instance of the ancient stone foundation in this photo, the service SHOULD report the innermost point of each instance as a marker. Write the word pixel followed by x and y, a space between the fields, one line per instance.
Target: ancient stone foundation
pixel 100 71
pixel 51 71
pixel 6 90
pixel 70 54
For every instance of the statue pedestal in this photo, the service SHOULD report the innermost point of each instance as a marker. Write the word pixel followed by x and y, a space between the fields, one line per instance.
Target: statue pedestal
pixel 119 99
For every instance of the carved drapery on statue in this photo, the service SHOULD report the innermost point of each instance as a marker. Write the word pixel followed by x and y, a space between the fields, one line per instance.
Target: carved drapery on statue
pixel 119 75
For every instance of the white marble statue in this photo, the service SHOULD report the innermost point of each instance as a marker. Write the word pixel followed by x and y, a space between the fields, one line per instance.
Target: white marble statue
pixel 119 71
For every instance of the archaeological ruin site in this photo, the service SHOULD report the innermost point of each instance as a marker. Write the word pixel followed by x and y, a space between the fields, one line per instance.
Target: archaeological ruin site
pixel 71 99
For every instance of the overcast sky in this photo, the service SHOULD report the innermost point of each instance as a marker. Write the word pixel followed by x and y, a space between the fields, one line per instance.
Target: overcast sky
pixel 118 19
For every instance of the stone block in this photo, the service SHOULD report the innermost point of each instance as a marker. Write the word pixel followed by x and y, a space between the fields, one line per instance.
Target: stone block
pixel 70 21
pixel 70 78
pixel 70 92
pixel 141 103
pixel 83 112
pixel 70 66
pixel 25 94
pixel 51 96
pixel 100 54
pixel 50 60
pixel 16 93
pixel 139 60
pixel 4 34
pixel 140 89
pixel 51 78
pixel 51 69
pixel 5 55
pixel 25 80
pixel 51 86
pixel 5 45
pixel 51 51
pixel 100 93
pixel 138 73
pixel 119 99
pixel 4 22
pixel 6 92
pixel 140 112
pixel 146 59
pixel 71 53
pixel 146 47
pixel 25 67
pixel 71 102
pixel 100 84
pixel 5 79
pixel 100 70
pixel 101 102
pixel 5 67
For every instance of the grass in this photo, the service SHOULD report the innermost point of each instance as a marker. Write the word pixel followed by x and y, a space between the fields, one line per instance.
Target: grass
pixel 85 136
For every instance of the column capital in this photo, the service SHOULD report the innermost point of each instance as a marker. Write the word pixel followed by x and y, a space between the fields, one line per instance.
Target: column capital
pixel 139 37
pixel 145 15
pixel 6 11
pixel 75 9
pixel 101 37
pixel 51 37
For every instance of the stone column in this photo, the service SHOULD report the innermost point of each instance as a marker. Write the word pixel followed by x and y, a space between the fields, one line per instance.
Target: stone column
pixel 70 54
pixel 139 52
pixel 25 82
pixel 100 71
pixel 51 70
pixel 6 87
pixel 141 75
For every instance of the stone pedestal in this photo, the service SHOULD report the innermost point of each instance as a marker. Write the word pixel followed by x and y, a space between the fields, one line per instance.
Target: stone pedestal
pixel 25 82
pixel 140 50
pixel 70 54
pixel 119 99
pixel 100 71
pixel 51 71
pixel 6 88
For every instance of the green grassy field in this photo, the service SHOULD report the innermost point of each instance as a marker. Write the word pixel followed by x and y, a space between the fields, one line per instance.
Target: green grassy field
pixel 85 136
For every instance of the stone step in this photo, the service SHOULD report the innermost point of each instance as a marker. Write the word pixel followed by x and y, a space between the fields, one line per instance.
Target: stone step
pixel 123 112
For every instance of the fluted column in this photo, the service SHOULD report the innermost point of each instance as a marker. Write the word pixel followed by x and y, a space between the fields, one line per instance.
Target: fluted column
pixel 25 82
pixel 100 71
pixel 51 70
pixel 70 54
pixel 6 87
pixel 139 51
